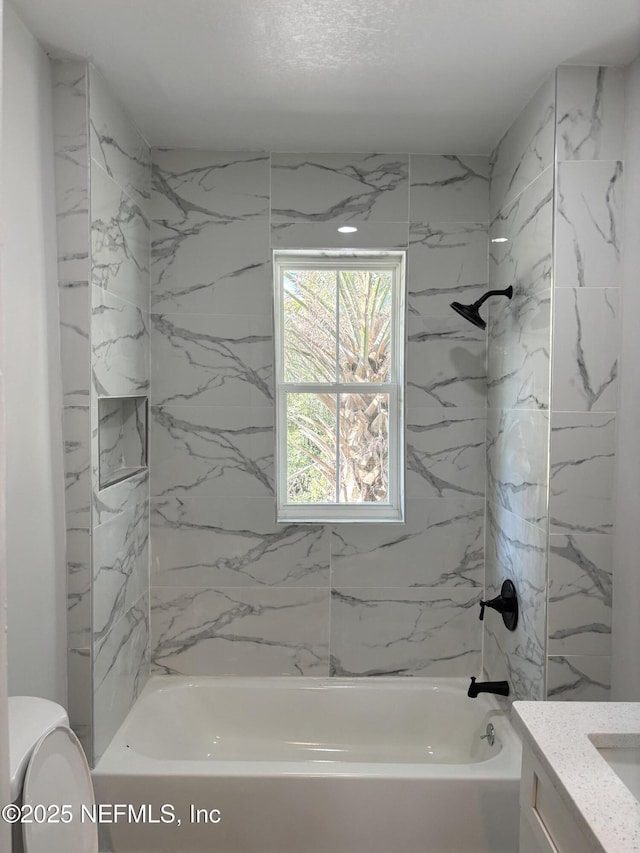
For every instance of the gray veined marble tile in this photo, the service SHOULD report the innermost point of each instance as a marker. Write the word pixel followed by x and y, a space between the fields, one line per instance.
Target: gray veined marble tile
pixel 579 678
pixel 448 188
pixel 240 631
pixel 116 144
pixel 112 500
pixel 586 345
pixel 405 631
pixel 77 465
pixel 78 588
pixel 525 150
pixel 518 345
pixel 211 450
pixel 339 187
pixel 517 551
pixel 524 259
pixel 582 470
pixel 208 360
pixel 445 452
pixel 214 542
pixel 120 566
pixel 446 261
pixel 517 465
pixel 441 544
pixel 120 234
pixel 122 437
pixel 580 592
pixel 589 224
pixel 71 169
pixel 120 344
pixel 446 362
pixel 325 235
pixel 192 187
pixel 211 267
pixel 120 670
pixel 75 351
pixel 79 696
pixel 590 118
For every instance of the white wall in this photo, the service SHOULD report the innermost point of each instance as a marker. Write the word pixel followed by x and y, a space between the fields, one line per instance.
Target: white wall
pixel 35 480
pixel 5 836
pixel 626 598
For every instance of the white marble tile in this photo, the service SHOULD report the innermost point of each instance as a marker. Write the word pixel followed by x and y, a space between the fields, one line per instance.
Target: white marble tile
pixel 239 631
pixel 215 451
pixel 586 346
pixel 116 144
pixel 590 117
pixel 120 236
pixel 78 588
pixel 518 363
pixel 192 188
pixel 120 566
pixel 120 344
pixel 582 471
pixel 580 594
pixel 75 351
pixel 448 188
pixel 441 544
pixel 339 187
pixel 76 426
pixel 526 149
pixel 417 632
pixel 113 500
pixel 579 678
pixel 524 259
pixel 446 261
pixel 325 235
pixel 214 267
pixel 445 452
pixel 71 169
pixel 517 551
pixel 214 542
pixel 200 359
pixel 79 697
pixel 446 362
pixel 120 670
pixel 517 462
pixel 589 224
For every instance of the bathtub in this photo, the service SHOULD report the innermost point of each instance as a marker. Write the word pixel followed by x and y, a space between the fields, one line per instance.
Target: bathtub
pixel 310 765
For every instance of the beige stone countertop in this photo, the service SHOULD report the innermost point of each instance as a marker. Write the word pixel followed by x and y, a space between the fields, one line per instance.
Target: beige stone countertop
pixel 564 737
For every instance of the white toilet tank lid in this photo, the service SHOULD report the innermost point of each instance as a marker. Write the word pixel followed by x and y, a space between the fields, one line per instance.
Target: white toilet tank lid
pixel 30 717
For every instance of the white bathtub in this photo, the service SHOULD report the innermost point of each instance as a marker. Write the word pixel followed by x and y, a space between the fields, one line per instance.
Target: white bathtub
pixel 307 765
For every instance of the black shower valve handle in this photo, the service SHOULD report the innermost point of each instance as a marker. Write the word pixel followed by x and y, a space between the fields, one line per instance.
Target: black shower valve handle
pixel 483 604
pixel 506 603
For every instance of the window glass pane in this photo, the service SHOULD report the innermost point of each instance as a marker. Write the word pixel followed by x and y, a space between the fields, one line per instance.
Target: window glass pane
pixel 311 448
pixel 365 325
pixel 364 448
pixel 309 323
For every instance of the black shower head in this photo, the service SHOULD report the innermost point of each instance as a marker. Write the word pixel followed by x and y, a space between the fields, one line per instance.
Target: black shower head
pixel 472 313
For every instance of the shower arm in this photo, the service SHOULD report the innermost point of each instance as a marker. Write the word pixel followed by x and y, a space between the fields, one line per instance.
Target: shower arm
pixel 508 291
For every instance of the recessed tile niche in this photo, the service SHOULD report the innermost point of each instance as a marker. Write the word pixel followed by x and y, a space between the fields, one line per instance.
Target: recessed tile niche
pixel 122 438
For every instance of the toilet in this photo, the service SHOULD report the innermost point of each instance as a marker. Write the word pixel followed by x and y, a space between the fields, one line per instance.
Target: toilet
pixel 49 770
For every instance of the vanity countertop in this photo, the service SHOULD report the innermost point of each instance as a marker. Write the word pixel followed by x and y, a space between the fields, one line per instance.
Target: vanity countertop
pixel 564 737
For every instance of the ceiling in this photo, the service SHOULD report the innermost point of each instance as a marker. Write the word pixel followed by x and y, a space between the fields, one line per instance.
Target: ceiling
pixel 429 76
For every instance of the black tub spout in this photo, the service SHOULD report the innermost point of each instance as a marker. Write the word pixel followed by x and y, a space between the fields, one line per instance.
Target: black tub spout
pixel 500 688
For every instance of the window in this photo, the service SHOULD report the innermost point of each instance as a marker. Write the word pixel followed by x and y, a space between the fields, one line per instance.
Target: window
pixel 339 321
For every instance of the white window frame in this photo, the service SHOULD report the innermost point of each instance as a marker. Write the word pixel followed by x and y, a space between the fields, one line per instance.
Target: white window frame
pixel 393 509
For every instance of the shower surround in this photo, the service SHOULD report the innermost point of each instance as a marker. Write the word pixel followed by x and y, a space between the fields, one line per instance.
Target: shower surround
pixel 232 592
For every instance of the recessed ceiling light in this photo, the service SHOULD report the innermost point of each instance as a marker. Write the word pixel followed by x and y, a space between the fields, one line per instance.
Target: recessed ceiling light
pixel 500 240
pixel 347 229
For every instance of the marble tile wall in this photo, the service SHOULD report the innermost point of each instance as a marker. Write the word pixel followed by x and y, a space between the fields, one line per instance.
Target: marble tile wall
pixel 120 173
pixel 103 195
pixel 588 277
pixel 71 134
pixel 231 590
pixel 518 392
